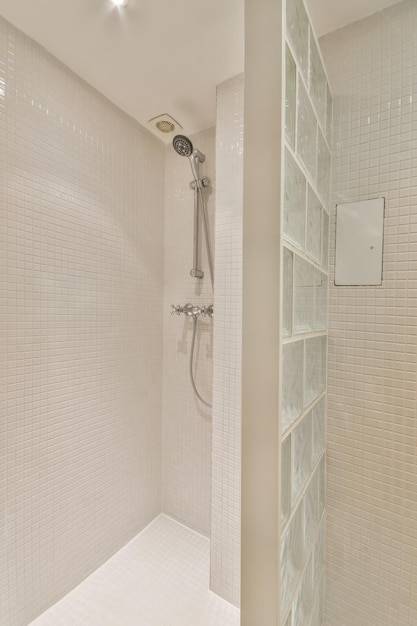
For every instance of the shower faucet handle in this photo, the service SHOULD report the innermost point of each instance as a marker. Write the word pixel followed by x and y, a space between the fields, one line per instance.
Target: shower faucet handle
pixel 188 309
pixel 207 311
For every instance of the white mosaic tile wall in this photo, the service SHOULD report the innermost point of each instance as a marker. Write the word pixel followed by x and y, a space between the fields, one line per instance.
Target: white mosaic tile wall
pixel 81 233
pixel 305 301
pixel 372 419
pixel 225 530
pixel 187 423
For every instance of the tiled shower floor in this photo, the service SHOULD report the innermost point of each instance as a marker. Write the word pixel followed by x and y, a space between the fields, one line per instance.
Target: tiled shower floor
pixel 160 578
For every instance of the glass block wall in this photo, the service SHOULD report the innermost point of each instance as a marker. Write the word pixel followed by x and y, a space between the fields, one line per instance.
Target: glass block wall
pixel 305 296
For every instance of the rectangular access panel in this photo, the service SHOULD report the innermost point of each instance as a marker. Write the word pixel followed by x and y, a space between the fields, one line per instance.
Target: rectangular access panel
pixel 359 241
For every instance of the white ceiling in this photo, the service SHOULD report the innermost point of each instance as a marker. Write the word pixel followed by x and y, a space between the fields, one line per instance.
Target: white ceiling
pixel 329 15
pixel 158 56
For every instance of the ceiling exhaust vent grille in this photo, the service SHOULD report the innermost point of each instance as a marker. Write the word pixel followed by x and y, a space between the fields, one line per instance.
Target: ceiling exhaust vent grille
pixel 165 124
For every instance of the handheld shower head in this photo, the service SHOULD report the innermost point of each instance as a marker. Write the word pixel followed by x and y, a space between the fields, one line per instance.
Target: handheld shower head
pixel 182 145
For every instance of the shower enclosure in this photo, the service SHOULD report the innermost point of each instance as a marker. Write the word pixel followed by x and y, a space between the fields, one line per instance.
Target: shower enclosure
pixel 101 431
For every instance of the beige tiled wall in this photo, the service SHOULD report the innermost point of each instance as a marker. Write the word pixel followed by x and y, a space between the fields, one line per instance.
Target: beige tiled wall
pixel 186 492
pixel 225 530
pixel 372 418
pixel 81 234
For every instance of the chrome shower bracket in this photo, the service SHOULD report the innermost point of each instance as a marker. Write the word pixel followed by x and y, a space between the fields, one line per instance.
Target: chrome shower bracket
pixel 202 183
pixel 199 156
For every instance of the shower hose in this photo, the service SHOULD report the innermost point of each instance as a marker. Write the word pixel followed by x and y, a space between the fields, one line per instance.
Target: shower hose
pixel 195 322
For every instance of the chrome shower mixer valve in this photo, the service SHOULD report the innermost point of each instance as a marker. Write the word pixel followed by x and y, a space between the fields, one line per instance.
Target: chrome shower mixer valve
pixel 192 311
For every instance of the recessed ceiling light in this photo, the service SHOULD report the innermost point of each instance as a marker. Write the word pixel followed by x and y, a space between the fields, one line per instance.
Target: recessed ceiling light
pixel 121 3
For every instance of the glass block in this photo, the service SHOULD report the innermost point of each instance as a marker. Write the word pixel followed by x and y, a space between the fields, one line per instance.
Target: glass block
pixel 323 169
pixel 325 240
pixel 292 559
pixel 319 552
pixel 304 601
pixel 319 428
pixel 329 116
pixel 322 486
pixel 314 225
pixel 285 480
pixel 297 30
pixel 302 454
pixel 306 132
pixel 287 573
pixel 288 293
pixel 311 510
pixel 318 608
pixel 303 296
pixel 313 504
pixel 297 539
pixel 315 368
pixel 290 97
pixel 294 202
pixel 292 382
pixel 318 82
pixel 318 577
pixel 320 300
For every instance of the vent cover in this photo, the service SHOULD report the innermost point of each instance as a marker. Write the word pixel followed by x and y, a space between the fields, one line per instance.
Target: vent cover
pixel 165 124
pixel 165 127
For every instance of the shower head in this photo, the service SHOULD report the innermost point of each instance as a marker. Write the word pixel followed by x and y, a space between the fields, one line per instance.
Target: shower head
pixel 182 145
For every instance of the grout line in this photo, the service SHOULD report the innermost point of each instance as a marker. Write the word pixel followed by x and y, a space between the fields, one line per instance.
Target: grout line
pixel 308 335
pixel 300 418
pixel 303 571
pixel 287 243
pixel 303 492
pixel 308 177
pixel 291 49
